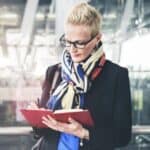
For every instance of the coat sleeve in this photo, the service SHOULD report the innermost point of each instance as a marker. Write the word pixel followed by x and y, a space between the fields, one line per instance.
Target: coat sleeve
pixel 117 134
pixel 122 110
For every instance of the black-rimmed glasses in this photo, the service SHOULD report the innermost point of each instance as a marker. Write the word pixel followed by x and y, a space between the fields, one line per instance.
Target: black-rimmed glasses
pixel 76 44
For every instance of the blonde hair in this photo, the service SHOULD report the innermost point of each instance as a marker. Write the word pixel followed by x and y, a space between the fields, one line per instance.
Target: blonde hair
pixel 85 14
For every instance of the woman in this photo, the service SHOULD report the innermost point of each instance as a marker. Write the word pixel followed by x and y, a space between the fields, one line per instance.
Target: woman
pixel 87 80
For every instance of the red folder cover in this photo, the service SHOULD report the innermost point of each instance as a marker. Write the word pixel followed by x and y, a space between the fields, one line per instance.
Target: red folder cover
pixel 34 116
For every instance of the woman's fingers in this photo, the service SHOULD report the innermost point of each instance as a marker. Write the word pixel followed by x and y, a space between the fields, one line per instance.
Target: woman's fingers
pixel 71 120
pixel 49 120
pixel 73 127
pixel 52 123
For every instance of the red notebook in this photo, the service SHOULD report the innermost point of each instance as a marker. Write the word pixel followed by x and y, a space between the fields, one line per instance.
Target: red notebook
pixel 34 116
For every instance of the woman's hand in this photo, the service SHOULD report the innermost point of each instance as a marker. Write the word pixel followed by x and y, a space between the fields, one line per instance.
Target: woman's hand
pixel 73 127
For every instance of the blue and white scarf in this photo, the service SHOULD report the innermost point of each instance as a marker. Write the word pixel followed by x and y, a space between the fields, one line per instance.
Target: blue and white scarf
pixel 75 83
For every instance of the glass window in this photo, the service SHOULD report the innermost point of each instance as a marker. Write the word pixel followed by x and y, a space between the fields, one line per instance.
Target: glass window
pixel 23 65
pixel 135 55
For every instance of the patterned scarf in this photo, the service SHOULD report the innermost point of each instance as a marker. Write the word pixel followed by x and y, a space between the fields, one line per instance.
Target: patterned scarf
pixel 70 92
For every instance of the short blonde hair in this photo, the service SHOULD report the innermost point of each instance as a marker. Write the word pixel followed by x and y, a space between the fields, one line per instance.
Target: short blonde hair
pixel 85 14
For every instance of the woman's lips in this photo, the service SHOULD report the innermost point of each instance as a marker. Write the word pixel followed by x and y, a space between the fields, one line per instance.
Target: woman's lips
pixel 75 55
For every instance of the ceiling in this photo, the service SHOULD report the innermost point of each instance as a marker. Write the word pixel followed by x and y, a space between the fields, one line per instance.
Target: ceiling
pixel 113 12
pixel 121 19
pixel 18 2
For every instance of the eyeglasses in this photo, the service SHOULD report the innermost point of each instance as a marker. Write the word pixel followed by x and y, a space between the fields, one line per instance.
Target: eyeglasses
pixel 76 44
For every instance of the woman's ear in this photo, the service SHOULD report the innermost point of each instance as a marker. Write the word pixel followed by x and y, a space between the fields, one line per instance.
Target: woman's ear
pixel 98 37
pixel 98 41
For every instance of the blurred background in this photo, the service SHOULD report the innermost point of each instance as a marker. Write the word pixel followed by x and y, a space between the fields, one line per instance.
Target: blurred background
pixel 29 33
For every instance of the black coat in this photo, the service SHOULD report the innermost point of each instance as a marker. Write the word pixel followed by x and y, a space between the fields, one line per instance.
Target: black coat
pixel 110 105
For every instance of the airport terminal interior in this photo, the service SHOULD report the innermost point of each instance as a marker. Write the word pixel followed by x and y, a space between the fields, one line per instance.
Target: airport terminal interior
pixel 29 43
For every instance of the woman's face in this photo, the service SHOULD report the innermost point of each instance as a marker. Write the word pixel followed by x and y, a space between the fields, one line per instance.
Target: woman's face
pixel 80 34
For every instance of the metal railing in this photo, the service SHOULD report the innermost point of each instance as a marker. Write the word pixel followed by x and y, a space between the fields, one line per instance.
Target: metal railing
pixel 140 137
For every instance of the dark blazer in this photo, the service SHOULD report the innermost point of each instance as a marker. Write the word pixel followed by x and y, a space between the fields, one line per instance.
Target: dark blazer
pixel 110 105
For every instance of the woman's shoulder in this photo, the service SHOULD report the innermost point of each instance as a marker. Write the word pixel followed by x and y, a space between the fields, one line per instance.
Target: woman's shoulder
pixel 54 66
pixel 114 66
pixel 51 70
pixel 114 70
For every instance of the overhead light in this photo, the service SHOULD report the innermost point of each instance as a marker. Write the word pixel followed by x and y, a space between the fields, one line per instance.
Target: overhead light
pixel 9 16
pixel 40 16
pixel 11 19
pixel 110 16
